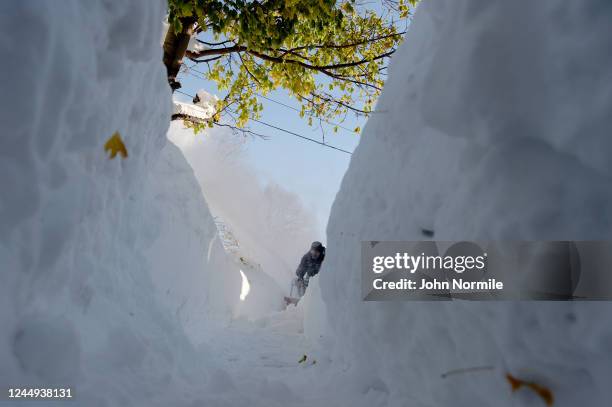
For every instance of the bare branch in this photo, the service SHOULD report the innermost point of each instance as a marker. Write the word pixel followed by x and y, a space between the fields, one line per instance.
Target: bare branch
pixel 247 68
pixel 244 131
pixel 330 99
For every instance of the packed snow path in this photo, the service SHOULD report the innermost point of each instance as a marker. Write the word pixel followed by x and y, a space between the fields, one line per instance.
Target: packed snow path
pixel 262 358
pixel 260 362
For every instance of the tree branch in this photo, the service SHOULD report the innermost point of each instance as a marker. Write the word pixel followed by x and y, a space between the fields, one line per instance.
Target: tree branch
pixel 321 68
pixel 350 45
pixel 215 51
pixel 247 68
pixel 175 46
pixel 214 44
pixel 189 118
pixel 198 61
pixel 332 100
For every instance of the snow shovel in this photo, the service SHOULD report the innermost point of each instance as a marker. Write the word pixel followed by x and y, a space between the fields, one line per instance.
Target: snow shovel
pixel 299 286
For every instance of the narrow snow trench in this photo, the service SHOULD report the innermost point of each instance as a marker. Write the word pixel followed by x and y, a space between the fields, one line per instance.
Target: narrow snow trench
pixel 261 359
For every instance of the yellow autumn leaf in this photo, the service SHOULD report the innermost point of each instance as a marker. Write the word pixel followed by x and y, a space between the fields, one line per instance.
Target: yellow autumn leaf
pixel 114 145
pixel 542 391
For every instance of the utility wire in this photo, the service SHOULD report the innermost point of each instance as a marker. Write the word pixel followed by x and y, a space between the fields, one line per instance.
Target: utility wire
pixel 183 93
pixel 300 136
pixel 281 129
pixel 298 110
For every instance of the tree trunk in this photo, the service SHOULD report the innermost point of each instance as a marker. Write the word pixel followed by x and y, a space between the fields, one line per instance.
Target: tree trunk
pixel 175 46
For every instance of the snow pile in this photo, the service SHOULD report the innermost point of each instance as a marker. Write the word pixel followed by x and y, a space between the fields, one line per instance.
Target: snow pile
pixel 259 294
pixel 192 272
pixel 264 295
pixel 494 124
pixel 202 109
pixel 206 100
pixel 314 314
pixel 182 109
pixel 105 263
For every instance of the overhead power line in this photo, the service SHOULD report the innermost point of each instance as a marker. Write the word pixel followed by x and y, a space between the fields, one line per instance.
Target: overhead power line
pixel 282 129
pixel 311 115
pixel 184 93
pixel 300 136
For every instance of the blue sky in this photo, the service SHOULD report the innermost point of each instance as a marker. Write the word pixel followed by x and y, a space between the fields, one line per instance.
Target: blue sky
pixel 311 171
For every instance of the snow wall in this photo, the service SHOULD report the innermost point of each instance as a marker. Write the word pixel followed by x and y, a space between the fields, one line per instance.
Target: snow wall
pixel 494 124
pixel 109 267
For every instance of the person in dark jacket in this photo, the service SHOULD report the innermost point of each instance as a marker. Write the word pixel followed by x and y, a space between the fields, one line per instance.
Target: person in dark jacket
pixel 310 265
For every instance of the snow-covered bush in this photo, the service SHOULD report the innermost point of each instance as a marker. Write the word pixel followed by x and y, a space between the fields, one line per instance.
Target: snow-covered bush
pixel 494 124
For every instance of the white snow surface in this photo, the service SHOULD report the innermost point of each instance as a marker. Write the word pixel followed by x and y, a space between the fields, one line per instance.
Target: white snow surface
pixel 192 110
pixel 203 109
pixel 494 124
pixel 114 279
pixel 111 269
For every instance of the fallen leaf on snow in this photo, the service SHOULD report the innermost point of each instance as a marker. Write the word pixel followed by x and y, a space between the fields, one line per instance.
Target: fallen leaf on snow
pixel 542 391
pixel 114 145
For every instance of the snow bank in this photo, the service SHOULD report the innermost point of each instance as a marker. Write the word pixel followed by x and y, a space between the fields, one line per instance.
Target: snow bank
pixel 105 263
pixel 314 313
pixel 264 296
pixel 188 264
pixel 494 124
